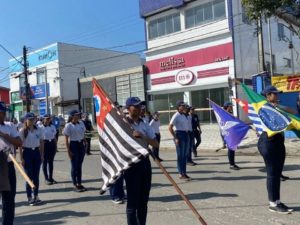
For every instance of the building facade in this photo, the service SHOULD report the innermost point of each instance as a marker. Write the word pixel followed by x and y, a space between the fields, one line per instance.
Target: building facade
pixel 54 74
pixel 4 95
pixel 194 47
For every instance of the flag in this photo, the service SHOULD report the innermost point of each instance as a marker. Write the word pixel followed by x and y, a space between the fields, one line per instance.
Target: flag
pixel 295 122
pixel 118 148
pixel 233 130
pixel 273 121
pixel 253 116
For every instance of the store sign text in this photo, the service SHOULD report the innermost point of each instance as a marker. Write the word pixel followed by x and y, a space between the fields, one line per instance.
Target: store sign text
pixel 48 55
pixel 184 77
pixel 221 59
pixel 172 63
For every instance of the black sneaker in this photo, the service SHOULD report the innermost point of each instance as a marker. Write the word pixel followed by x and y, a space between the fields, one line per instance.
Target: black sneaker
pixel 118 201
pixel 81 187
pixel 53 181
pixel 77 189
pixel 191 163
pixel 195 154
pixel 280 208
pixel 30 201
pixel 285 206
pixel 284 178
pixel 37 200
pixel 235 167
pixel 48 182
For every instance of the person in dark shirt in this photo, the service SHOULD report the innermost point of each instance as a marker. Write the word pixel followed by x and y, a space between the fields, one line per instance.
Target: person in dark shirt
pixel 196 130
pixel 88 135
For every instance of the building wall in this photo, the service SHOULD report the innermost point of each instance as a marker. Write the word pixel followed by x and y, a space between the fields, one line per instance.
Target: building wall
pixel 4 95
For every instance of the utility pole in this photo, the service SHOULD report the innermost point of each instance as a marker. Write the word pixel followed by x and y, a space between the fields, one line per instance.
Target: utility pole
pixel 27 88
pixel 46 90
pixel 270 47
pixel 261 51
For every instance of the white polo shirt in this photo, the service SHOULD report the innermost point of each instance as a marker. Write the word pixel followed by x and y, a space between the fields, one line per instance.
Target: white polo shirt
pixel 189 117
pixel 180 122
pixel 32 139
pixel 155 124
pixel 9 129
pixel 144 128
pixel 75 131
pixel 49 132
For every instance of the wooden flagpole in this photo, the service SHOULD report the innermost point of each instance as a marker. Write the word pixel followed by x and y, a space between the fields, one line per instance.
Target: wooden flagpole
pixel 165 172
pixel 21 170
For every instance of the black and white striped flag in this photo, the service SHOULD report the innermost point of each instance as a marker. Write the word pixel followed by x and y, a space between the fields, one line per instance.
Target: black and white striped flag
pixel 118 148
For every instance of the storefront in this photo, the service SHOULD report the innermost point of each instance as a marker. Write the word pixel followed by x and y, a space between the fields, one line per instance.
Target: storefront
pixel 191 74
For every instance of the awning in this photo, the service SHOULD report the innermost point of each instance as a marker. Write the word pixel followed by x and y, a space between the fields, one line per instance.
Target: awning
pixel 67 103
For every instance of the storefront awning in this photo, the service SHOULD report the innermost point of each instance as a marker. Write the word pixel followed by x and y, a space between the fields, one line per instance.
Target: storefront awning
pixel 67 103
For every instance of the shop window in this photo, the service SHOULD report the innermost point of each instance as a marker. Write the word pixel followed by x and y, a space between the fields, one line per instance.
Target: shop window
pixel 41 75
pixel 164 25
pixel 281 35
pixel 205 13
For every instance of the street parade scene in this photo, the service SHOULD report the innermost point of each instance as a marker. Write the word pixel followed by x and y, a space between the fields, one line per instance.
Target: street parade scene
pixel 150 112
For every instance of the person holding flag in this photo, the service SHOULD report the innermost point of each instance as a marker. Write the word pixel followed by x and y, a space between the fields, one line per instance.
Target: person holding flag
pixel 273 152
pixel 138 177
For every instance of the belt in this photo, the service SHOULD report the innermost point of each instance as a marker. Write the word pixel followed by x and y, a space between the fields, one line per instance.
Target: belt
pixel 79 141
pixel 48 140
pixel 36 148
pixel 181 131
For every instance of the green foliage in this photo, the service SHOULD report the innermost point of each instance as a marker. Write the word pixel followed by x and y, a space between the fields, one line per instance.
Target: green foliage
pixel 264 8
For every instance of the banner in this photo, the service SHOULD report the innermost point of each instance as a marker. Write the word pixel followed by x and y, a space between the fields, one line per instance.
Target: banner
pixel 287 83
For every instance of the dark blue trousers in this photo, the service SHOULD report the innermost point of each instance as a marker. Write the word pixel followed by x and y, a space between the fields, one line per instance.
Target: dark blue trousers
pixel 182 150
pixel 273 152
pixel 156 150
pixel 32 167
pixel 138 185
pixel 78 151
pixel 231 157
pixel 117 190
pixel 8 198
pixel 190 146
pixel 197 136
pixel 49 154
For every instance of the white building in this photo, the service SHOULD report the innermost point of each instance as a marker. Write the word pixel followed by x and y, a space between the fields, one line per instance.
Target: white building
pixel 61 64
pixel 195 46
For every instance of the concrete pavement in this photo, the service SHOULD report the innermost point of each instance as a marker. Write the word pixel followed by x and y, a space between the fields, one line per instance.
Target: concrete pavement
pixel 222 196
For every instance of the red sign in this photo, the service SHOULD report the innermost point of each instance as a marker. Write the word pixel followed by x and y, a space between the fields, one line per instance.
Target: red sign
pixel 185 77
pixel 190 59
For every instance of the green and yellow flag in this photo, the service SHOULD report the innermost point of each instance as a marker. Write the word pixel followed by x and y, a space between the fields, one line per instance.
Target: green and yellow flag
pixel 273 121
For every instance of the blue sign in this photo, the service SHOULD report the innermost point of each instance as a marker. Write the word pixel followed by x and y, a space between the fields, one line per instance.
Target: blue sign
pixel 35 59
pixel 42 107
pixel 37 91
pixel 148 7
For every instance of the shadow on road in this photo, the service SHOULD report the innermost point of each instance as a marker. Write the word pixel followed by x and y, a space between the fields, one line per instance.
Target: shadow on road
pixel 48 218
pixel 195 196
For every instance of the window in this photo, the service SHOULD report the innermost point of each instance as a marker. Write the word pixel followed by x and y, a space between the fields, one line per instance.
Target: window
pixel 205 13
pixel 281 34
pixel 268 63
pixel 287 62
pixel 123 89
pixel 163 26
pixel 40 75
pixel 22 81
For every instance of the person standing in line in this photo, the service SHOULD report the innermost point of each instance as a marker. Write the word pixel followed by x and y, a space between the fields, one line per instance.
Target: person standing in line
pixel 196 130
pixel 138 177
pixel 75 142
pixel 9 138
pixel 31 155
pixel 49 132
pixel 190 162
pixel 88 132
pixel 273 152
pixel 231 153
pixel 56 122
pixel 155 124
pixel 178 128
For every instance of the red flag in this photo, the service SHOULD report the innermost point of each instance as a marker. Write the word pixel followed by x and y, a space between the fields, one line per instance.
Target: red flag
pixel 242 103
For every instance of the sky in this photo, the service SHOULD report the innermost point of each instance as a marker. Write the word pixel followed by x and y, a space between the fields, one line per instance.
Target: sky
pixel 95 23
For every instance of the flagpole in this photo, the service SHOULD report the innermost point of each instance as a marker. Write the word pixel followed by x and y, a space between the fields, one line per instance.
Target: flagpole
pixel 165 172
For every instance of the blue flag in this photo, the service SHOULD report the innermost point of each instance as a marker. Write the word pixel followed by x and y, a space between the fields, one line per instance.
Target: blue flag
pixel 233 130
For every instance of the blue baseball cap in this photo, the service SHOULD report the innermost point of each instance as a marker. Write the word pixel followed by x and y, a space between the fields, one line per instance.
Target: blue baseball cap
pixel 29 116
pixel 180 103
pixel 74 112
pixel 3 107
pixel 134 101
pixel 270 89
pixel 227 104
pixel 47 116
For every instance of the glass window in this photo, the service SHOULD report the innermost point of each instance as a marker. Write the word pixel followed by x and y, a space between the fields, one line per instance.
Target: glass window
pixel 205 13
pixel 40 75
pixel 164 25
pixel 219 9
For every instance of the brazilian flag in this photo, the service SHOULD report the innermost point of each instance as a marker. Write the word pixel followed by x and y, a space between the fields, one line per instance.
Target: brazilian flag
pixel 273 121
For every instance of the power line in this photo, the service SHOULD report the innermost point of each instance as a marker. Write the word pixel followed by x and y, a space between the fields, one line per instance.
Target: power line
pixel 8 52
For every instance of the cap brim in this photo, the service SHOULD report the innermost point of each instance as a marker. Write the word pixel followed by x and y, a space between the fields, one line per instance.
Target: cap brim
pixel 138 103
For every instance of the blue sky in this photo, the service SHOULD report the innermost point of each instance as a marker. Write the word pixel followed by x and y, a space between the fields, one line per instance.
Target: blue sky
pixel 96 23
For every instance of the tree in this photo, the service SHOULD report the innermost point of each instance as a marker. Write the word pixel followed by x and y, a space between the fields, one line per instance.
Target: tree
pixel 287 10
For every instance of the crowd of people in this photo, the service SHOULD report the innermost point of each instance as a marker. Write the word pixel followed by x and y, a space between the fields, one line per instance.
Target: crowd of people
pixel 36 139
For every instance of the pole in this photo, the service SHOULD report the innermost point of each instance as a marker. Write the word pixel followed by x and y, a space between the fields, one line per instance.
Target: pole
pixel 261 52
pixel 79 94
pixel 46 90
pixel 291 46
pixel 270 46
pixel 27 90
pixel 165 172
